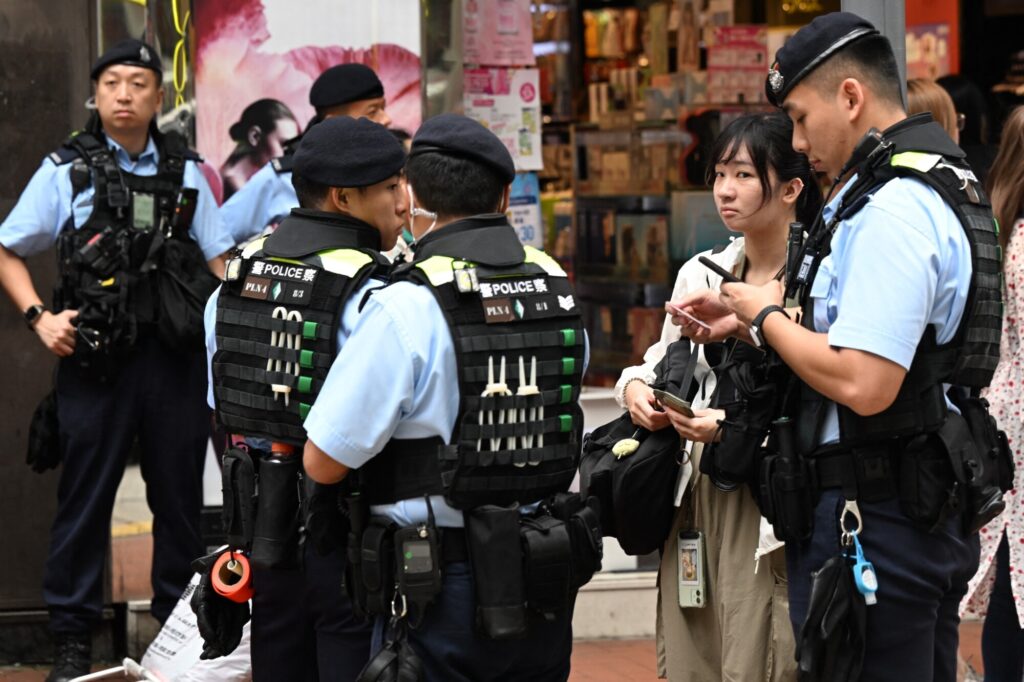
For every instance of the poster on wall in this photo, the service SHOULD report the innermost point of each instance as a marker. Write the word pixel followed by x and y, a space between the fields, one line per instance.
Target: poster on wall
pixel 524 209
pixel 255 61
pixel 927 51
pixel 497 33
pixel 507 101
pixel 737 63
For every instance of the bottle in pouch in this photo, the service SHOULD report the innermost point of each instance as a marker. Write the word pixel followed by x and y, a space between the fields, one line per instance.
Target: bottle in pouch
pixel 275 537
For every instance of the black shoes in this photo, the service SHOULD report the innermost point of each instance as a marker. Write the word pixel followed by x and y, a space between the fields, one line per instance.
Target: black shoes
pixel 73 657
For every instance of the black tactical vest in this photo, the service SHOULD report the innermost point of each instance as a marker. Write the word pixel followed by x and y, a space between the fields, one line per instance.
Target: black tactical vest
pixel 107 266
pixel 519 345
pixel 919 148
pixel 277 320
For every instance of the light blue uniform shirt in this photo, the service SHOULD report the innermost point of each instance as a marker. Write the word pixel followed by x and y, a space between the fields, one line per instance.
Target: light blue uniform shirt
pixel 899 264
pixel 45 205
pixel 265 196
pixel 349 315
pixel 395 378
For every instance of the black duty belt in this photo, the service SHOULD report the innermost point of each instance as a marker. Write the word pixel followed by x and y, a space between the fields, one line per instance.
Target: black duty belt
pixel 453 546
pixel 870 473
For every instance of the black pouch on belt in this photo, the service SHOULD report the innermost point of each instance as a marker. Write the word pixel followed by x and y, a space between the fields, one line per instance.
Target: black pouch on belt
pixel 325 524
pixel 378 561
pixel 238 484
pixel 276 535
pixel 358 518
pixel 978 473
pixel 929 491
pixel 583 520
pixel 792 498
pixel 492 534
pixel 547 564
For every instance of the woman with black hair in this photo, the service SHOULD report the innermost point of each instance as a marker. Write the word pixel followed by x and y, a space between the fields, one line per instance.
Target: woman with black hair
pixel 742 633
pixel 260 134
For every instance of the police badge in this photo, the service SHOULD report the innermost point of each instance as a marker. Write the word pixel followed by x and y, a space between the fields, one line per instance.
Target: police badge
pixel 775 79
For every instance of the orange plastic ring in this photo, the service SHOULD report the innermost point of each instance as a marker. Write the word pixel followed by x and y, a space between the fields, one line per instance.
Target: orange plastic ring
pixel 232 577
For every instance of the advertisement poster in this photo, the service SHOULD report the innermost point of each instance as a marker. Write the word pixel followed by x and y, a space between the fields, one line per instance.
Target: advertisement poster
pixel 928 51
pixel 737 64
pixel 255 61
pixel 497 33
pixel 507 101
pixel 524 209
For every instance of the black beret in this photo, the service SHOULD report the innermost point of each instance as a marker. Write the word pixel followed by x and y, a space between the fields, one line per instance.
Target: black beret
pixel 345 83
pixel 809 47
pixel 348 152
pixel 461 136
pixel 132 52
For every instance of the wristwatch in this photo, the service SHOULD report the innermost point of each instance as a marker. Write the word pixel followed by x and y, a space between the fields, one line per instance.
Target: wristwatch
pixel 758 323
pixel 32 314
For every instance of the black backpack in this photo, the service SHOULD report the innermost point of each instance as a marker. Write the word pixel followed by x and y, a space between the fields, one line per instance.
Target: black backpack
pixel 636 491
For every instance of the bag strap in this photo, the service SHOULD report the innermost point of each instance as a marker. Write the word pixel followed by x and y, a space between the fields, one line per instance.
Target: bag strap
pixel 691 368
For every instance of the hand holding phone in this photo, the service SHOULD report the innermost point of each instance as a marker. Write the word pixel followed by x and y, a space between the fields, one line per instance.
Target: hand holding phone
pixel 676 310
pixel 675 402
pixel 718 270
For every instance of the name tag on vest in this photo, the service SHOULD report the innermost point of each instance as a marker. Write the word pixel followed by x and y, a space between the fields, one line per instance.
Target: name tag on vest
pixel 284 283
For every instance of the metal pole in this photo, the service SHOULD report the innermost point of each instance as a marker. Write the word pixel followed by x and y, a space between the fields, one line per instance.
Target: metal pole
pixel 890 17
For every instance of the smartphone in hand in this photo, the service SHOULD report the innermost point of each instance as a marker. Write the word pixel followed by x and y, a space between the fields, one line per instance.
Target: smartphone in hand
pixel 675 402
pixel 676 310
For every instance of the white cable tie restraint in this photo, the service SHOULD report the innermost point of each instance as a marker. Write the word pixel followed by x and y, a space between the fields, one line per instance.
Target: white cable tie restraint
pixel 539 414
pixel 528 416
pixel 500 389
pixel 280 339
pixel 493 389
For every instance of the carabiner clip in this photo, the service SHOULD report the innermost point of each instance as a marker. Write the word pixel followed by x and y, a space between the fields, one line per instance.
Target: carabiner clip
pixel 849 534
pixel 397 613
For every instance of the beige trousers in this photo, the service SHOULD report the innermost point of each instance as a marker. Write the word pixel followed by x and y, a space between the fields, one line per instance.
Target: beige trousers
pixel 742 634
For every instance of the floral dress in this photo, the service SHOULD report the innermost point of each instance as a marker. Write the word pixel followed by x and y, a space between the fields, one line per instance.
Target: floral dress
pixel 1005 397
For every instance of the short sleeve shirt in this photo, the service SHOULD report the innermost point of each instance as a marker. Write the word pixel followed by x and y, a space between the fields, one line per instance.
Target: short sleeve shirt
pixel 46 204
pixel 901 263
pixel 267 195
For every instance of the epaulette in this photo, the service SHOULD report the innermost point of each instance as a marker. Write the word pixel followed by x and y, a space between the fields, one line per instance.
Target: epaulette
pixel 283 164
pixel 63 154
pixel 174 143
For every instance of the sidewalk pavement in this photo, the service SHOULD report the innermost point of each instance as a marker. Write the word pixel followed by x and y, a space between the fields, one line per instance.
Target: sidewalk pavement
pixel 630 660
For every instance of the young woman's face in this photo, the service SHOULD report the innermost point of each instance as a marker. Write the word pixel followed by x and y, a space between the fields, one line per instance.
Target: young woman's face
pixel 272 144
pixel 738 194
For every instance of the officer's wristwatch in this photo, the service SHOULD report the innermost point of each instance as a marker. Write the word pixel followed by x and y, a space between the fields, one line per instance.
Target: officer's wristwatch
pixel 32 314
pixel 758 323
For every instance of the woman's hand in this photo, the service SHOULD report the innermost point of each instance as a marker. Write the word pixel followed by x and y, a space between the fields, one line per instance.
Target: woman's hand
pixel 746 300
pixel 644 408
pixel 706 307
pixel 701 428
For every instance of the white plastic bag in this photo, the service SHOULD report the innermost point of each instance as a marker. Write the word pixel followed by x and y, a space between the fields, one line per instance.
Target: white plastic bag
pixel 174 655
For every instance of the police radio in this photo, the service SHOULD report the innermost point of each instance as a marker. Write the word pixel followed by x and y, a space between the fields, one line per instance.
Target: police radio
pixel 184 210
pixel 866 150
pixel 419 566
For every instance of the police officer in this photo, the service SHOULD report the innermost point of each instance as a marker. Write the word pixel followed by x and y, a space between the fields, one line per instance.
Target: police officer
pixel 471 364
pixel 313 271
pixel 118 200
pixel 342 90
pixel 900 291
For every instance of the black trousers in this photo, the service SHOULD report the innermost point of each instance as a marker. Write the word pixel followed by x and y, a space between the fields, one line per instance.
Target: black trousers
pixel 1002 639
pixel 303 628
pixel 912 632
pixel 159 397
